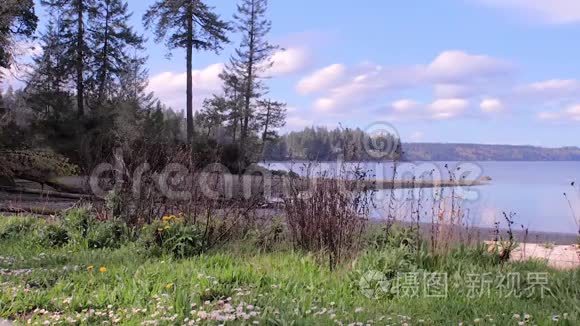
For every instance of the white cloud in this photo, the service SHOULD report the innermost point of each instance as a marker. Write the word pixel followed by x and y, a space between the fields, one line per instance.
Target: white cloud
pixel 321 79
pixel 491 105
pixel 22 65
pixel 548 11
pixel 324 104
pixel 448 108
pixel 297 123
pixel 404 105
pixel 452 73
pixel 552 87
pixel 169 87
pixel 459 66
pixel 572 113
pixel 288 61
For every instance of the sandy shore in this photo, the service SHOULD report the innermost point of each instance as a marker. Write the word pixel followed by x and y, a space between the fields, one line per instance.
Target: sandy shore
pixel 557 256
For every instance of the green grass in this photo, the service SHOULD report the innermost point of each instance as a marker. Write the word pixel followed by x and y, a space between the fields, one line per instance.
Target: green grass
pixel 64 285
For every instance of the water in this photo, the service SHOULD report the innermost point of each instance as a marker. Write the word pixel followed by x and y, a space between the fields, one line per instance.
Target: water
pixel 532 190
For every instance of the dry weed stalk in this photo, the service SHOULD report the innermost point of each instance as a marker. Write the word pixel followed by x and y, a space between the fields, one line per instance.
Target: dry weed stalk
pixel 329 216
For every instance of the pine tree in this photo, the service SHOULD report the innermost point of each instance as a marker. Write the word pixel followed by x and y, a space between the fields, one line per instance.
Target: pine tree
pixel 133 84
pixel 47 86
pixel 73 15
pixel 251 60
pixel 213 113
pixel 232 88
pixel 111 39
pixel 188 24
pixel 17 19
pixel 48 74
pixel 270 116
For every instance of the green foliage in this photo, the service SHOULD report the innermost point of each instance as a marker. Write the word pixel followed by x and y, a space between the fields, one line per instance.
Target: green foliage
pixel 17 20
pixel 34 165
pixel 53 235
pixel 17 227
pixel 173 237
pixel 78 222
pixel 107 234
pixel 322 144
pixel 270 237
pixel 282 286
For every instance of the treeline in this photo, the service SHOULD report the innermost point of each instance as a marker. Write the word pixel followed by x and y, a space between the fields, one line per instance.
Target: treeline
pixel 86 92
pixel 477 152
pixel 322 144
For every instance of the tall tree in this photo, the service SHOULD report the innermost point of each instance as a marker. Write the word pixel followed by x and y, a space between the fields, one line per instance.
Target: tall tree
pixel 73 16
pixel 112 40
pixel 188 24
pixel 48 74
pixel 47 86
pixel 133 84
pixel 17 19
pixel 213 113
pixel 251 60
pixel 232 87
pixel 271 115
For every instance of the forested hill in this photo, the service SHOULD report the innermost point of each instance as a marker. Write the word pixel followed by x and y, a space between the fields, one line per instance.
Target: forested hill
pixel 478 152
pixel 322 144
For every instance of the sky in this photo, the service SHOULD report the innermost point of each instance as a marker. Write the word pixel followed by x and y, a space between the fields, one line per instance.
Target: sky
pixel 456 71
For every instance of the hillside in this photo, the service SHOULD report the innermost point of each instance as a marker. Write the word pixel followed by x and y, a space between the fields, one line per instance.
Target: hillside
pixel 478 152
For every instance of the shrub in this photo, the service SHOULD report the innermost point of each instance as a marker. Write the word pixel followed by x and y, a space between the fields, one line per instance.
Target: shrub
pixel 17 227
pixel 331 216
pixel 83 229
pixel 173 237
pixel 77 222
pixel 53 235
pixel 268 237
pixel 107 234
pixel 395 237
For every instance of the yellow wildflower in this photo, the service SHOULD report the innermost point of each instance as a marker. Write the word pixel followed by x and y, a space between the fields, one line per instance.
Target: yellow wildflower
pixel 90 268
pixel 169 286
pixel 103 269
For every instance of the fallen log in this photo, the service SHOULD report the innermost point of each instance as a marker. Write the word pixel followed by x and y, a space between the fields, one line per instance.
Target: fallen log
pixel 47 193
pixel 30 210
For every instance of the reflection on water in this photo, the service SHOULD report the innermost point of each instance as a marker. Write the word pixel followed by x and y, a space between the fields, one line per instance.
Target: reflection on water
pixel 533 190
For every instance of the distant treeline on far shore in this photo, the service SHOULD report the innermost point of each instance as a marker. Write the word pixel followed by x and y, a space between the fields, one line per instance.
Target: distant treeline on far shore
pixel 323 144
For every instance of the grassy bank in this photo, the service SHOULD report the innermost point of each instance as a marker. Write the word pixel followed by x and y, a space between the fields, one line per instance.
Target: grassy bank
pixel 128 281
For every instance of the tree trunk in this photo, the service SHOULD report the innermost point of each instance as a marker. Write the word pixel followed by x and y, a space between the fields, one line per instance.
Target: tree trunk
pixel 266 123
pixel 189 58
pixel 249 88
pixel 80 56
pixel 105 69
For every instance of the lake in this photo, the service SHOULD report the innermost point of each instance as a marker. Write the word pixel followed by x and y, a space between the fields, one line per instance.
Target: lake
pixel 534 191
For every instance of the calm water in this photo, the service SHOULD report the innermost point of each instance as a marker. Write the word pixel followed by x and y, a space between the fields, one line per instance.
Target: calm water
pixel 532 190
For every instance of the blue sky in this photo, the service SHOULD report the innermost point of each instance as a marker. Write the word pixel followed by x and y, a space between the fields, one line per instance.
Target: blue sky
pixel 481 71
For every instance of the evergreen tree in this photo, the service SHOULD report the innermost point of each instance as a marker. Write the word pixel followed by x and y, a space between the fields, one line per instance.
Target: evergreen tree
pixel 213 113
pixel 270 116
pixel 17 19
pixel 111 39
pixel 133 84
pixel 76 53
pixel 250 61
pixel 232 88
pixel 49 73
pixel 188 24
